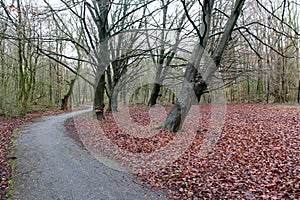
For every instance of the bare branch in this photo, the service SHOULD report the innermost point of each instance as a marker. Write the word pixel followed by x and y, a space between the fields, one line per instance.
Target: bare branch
pixel 276 17
pixel 190 20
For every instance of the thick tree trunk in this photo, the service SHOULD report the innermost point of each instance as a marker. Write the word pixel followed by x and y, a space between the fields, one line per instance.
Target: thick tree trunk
pixel 191 94
pixel 187 96
pixel 99 97
pixel 64 103
pixel 114 100
pixel 159 61
pixel 192 89
pixel 109 90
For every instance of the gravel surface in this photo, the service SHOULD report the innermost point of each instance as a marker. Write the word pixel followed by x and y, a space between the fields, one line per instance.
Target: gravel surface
pixel 50 165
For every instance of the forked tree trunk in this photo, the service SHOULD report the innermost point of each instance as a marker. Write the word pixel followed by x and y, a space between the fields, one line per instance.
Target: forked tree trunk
pixel 100 17
pixel 155 93
pixel 194 84
pixel 119 69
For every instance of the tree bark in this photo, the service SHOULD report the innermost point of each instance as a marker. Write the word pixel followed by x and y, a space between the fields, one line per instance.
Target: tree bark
pixel 299 92
pixel 192 89
pixel 154 94
pixel 114 100
pixel 99 97
pixel 109 90
pixel 181 108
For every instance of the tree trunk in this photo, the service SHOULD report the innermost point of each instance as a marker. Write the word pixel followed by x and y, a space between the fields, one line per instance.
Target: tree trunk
pixel 194 84
pixel 299 92
pixel 190 94
pixel 114 100
pixel 192 89
pixel 99 13
pixel 123 95
pixel 65 100
pixel 154 94
pixel 109 89
pixel 268 90
pixel 99 97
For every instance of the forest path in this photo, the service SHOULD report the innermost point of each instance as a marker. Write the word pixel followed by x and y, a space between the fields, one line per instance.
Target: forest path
pixel 50 165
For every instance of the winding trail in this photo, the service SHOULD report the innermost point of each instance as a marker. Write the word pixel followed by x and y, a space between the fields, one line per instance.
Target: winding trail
pixel 50 165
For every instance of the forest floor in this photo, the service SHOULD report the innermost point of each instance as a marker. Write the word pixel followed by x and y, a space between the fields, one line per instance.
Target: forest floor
pixel 246 151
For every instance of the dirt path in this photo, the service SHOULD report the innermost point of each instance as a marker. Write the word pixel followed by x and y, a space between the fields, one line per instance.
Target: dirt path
pixel 51 166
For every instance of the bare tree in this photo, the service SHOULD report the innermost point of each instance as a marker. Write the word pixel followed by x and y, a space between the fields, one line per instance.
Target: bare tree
pixel 195 83
pixel 171 27
pixel 19 17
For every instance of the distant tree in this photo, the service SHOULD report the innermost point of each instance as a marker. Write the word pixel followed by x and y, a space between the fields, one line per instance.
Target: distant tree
pixel 23 24
pixel 163 56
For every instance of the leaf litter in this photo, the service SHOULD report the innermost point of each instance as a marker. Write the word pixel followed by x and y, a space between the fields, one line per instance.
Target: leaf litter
pixel 256 155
